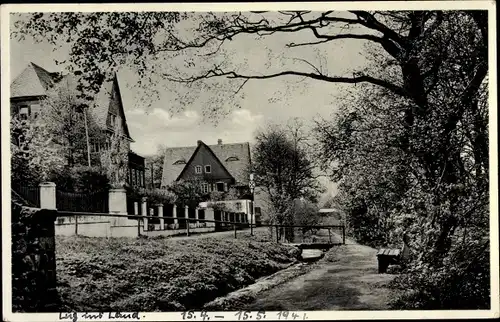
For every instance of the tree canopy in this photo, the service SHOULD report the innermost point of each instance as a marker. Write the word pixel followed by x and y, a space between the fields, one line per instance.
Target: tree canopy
pixel 284 169
pixel 102 41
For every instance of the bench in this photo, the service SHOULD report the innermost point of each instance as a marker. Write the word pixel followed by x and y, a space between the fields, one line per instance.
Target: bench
pixel 391 256
pixel 386 257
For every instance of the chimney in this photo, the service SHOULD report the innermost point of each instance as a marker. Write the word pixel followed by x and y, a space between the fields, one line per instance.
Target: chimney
pixel 198 142
pixel 219 141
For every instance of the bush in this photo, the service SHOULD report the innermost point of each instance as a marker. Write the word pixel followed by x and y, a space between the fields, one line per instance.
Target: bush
pixel 90 179
pixel 462 283
pixel 80 179
pixel 155 196
pixel 158 196
pixel 63 179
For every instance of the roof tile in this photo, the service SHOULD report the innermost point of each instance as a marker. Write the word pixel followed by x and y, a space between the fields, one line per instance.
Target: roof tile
pixel 36 81
pixel 33 81
pixel 237 168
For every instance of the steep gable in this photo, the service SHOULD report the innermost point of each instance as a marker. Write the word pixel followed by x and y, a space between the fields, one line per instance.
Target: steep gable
pixel 108 100
pixel 201 157
pixel 235 157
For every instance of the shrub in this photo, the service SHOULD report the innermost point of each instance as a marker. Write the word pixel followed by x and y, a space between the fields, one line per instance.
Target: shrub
pixel 90 179
pixel 462 283
pixel 158 196
pixel 154 196
pixel 80 179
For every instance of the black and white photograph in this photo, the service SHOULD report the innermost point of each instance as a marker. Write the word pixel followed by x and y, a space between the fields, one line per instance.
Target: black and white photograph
pixel 249 161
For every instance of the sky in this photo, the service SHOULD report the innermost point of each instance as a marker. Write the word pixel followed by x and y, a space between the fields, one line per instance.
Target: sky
pixel 172 121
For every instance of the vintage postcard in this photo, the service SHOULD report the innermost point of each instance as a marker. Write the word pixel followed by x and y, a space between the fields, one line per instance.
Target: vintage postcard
pixel 249 161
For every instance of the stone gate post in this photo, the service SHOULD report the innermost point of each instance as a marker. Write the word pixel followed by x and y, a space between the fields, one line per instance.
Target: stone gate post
pixel 144 207
pixel 47 195
pixel 160 214
pixel 174 214
pixel 117 198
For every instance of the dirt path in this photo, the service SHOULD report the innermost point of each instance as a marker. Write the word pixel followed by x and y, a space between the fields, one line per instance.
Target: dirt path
pixel 346 279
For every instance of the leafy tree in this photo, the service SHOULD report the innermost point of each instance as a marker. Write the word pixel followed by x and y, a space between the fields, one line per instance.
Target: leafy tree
pixel 305 213
pixel 154 162
pixel 217 198
pixel 231 194
pixel 62 115
pixel 415 164
pixel 187 192
pixel 284 170
pixel 33 153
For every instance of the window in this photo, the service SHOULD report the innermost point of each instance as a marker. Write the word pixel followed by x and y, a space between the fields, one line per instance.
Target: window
pixel 232 159
pixel 35 110
pixel 24 112
pixel 108 143
pixel 204 188
pixel 180 162
pixel 208 169
pixel 238 206
pixel 197 169
pixel 220 186
pixel 112 119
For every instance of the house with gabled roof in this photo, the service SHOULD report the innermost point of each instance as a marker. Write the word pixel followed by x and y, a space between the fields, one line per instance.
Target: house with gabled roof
pixel 216 168
pixel 35 83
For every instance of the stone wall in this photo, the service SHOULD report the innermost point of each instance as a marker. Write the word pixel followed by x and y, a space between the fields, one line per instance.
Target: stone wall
pixel 33 260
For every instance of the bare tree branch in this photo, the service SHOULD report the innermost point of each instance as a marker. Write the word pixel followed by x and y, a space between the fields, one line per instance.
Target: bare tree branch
pixel 217 72
pixel 313 67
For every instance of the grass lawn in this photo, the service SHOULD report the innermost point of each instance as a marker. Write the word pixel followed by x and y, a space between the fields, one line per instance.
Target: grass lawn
pixel 160 274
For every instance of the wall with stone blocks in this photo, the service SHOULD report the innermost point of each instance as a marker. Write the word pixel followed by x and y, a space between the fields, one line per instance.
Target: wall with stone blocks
pixel 33 260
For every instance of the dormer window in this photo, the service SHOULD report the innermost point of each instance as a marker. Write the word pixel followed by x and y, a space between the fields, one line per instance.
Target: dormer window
pixel 208 169
pixel 179 162
pixel 197 169
pixel 232 159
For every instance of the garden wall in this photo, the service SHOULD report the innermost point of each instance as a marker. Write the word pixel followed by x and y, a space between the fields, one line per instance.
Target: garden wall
pixel 33 260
